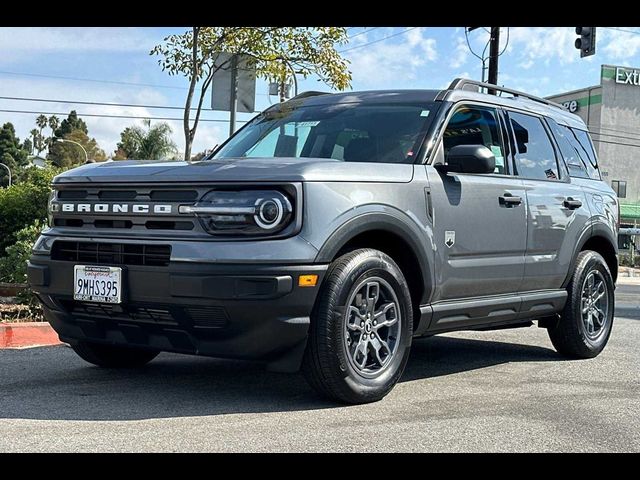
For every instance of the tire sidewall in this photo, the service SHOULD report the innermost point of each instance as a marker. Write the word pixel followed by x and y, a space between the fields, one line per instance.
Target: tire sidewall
pixel 593 262
pixel 360 269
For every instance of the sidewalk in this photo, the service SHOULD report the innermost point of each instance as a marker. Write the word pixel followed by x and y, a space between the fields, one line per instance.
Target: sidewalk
pixel 628 276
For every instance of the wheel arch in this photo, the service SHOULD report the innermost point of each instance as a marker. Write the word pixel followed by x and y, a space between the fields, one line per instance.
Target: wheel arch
pixel 399 238
pixel 599 239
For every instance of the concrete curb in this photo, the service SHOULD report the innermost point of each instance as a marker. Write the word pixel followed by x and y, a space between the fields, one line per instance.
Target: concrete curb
pixel 628 281
pixel 27 334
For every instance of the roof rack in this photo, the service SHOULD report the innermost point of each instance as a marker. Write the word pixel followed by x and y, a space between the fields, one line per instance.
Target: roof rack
pixel 461 83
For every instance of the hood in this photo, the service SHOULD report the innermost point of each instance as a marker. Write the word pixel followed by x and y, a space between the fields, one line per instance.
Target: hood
pixel 237 170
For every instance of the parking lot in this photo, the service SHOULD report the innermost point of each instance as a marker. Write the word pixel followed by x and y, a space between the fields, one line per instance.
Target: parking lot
pixel 474 391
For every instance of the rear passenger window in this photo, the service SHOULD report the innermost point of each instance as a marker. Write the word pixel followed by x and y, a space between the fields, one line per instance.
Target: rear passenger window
pixel 534 156
pixel 475 126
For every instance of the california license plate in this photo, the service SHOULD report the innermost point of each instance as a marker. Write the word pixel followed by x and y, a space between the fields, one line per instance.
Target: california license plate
pixel 97 284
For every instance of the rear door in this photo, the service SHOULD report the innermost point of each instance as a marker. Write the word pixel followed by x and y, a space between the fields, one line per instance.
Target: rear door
pixel 556 209
pixel 480 239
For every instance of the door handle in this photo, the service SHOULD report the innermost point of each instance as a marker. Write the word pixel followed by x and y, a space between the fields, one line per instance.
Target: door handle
pixel 571 203
pixel 509 200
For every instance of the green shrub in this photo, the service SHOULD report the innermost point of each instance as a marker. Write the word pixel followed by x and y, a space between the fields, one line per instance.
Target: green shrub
pixel 13 267
pixel 24 202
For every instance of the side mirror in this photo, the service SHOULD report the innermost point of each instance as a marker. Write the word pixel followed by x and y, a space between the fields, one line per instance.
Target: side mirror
pixel 468 159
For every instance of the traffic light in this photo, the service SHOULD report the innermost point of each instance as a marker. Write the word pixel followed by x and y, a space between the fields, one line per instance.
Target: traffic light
pixel 587 41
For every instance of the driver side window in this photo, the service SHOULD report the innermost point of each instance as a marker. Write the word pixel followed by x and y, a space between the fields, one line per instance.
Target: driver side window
pixel 471 125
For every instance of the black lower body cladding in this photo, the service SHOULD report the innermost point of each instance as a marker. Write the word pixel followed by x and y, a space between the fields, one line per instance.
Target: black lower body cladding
pixel 254 312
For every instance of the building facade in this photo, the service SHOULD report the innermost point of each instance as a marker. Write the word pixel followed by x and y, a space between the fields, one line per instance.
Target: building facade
pixel 611 111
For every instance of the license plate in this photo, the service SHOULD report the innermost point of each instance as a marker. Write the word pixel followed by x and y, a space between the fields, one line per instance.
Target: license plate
pixel 97 284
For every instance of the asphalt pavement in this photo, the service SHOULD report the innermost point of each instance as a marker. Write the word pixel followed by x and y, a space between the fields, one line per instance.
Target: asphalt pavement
pixel 505 390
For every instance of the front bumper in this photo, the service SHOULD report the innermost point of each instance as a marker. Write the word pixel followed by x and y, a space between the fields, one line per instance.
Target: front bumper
pixel 255 312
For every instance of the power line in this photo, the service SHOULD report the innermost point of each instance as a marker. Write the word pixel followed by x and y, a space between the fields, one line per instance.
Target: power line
pixel 378 40
pixel 624 137
pixel 616 129
pixel 363 32
pixel 622 30
pixel 615 143
pixel 104 115
pixel 108 104
pixel 94 80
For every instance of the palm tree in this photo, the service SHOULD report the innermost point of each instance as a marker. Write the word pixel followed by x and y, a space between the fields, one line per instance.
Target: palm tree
pixel 54 123
pixel 42 121
pixel 152 144
pixel 38 141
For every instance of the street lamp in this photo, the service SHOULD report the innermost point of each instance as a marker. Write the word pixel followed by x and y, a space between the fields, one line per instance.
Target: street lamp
pixel 86 156
pixel 8 170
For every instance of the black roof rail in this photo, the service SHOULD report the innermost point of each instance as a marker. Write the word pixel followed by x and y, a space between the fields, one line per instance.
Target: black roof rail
pixel 461 83
pixel 310 93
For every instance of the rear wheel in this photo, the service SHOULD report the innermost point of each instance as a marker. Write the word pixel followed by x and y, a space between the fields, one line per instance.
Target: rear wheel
pixel 111 356
pixel 361 329
pixel 585 324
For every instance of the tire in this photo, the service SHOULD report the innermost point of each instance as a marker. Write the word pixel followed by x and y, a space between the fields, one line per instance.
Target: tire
pixel 572 336
pixel 334 363
pixel 111 356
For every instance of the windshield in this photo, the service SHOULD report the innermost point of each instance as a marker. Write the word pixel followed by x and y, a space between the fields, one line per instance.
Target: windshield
pixel 351 132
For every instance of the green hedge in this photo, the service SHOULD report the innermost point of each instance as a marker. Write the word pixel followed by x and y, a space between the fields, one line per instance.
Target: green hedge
pixel 13 266
pixel 23 203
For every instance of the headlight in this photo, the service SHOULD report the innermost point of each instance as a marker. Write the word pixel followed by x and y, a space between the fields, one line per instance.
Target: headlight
pixel 244 212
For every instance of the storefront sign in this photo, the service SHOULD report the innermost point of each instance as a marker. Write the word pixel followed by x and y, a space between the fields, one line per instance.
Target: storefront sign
pixel 571 105
pixel 627 76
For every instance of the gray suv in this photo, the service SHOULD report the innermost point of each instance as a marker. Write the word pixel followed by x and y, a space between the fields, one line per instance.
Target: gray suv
pixel 333 229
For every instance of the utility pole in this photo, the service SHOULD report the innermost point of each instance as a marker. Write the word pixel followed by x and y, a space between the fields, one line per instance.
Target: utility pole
pixel 494 53
pixel 233 103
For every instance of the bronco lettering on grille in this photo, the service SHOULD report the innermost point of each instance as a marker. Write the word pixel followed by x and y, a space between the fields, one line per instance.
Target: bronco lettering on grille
pixel 113 208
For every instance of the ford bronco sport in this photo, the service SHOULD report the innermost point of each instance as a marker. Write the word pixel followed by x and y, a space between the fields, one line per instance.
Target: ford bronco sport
pixel 331 230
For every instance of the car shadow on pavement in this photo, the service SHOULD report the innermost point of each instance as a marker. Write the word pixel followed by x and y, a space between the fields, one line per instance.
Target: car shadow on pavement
pixel 52 383
pixel 438 356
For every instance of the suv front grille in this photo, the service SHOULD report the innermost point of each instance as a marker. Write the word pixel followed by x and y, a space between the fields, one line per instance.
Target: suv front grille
pixel 112 253
pixel 127 219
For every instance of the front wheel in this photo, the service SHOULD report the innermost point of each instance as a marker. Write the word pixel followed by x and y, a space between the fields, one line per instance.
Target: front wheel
pixel 361 329
pixel 111 356
pixel 586 321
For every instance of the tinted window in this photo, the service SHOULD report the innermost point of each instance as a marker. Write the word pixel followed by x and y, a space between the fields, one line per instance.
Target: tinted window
pixel 351 132
pixel 573 154
pixel 534 155
pixel 583 140
pixel 475 126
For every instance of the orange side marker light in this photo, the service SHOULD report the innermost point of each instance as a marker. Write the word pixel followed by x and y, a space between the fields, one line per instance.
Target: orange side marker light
pixel 307 280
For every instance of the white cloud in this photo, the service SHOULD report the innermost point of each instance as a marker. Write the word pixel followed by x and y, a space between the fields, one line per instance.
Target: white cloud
pixel 460 53
pixel 388 63
pixel 21 39
pixel 543 44
pixel 619 45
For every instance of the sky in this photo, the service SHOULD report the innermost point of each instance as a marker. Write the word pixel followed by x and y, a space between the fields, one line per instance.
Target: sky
pixel 113 65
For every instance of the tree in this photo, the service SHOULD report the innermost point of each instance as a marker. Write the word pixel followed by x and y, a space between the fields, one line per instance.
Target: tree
pixel 67 155
pixel 27 145
pixel 12 152
pixel 275 52
pixel 69 124
pixel 154 143
pixel 41 122
pixel 54 123
pixel 38 141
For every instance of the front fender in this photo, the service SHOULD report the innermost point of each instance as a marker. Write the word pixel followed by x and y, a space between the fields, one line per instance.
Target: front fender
pixel 418 238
